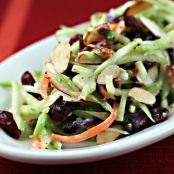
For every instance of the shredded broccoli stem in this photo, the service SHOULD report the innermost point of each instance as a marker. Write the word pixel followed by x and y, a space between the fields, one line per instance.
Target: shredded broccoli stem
pixel 109 85
pixel 142 73
pixel 15 106
pixel 154 88
pixel 145 110
pixel 41 105
pixel 90 114
pixel 112 90
pixel 29 99
pixel 121 109
pixel 157 56
pixel 40 123
pixel 6 84
pixel 165 87
pixel 104 104
pixel 118 55
pixel 171 109
pixel 159 44
pixel 140 52
pixel 132 108
pixel 89 88
pixel 82 70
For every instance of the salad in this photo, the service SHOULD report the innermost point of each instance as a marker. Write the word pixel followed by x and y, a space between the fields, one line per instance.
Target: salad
pixel 107 80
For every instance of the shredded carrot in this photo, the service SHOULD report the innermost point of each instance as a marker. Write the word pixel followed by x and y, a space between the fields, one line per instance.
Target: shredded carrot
pixel 90 132
pixel 118 27
pixel 44 86
pixel 36 143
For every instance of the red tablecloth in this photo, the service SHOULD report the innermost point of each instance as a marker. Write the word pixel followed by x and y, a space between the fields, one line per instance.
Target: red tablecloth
pixel 24 21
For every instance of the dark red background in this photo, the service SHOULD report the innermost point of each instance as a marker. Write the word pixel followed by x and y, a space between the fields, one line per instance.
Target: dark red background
pixel 42 19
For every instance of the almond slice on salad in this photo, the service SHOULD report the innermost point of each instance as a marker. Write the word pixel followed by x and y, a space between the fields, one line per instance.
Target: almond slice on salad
pixel 60 87
pixel 154 28
pixel 103 52
pixel 92 37
pixel 49 67
pixel 109 135
pixel 142 96
pixel 113 70
pixel 60 57
pixel 137 7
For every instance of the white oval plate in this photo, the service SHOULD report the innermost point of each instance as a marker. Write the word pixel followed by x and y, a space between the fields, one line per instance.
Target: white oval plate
pixel 32 58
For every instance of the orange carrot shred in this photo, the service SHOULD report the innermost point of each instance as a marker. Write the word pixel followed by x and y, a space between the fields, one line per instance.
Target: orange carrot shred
pixel 36 143
pixel 90 132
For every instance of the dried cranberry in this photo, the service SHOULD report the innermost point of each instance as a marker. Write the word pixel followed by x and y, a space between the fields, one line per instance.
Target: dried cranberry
pixel 87 48
pixel 159 114
pixel 117 82
pixel 133 23
pixel 77 37
pixel 134 79
pixel 84 123
pixel 67 124
pixel 68 72
pixel 70 126
pixel 137 121
pixel 37 96
pixel 170 75
pixel 148 64
pixel 170 52
pixel 102 28
pixel 60 109
pixel 158 101
pixel 8 124
pixel 27 79
pixel 137 30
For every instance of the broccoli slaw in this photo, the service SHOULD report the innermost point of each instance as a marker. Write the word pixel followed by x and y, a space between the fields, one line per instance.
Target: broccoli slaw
pixel 107 80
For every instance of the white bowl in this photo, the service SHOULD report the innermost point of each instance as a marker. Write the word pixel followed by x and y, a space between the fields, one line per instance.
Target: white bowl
pixel 32 58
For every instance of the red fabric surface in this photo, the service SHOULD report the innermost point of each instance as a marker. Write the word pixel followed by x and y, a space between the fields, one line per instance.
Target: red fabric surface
pixel 25 21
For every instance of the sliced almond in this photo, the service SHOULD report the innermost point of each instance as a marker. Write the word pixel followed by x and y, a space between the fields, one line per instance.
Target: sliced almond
pixel 154 28
pixel 103 52
pixel 60 57
pixel 113 70
pixel 138 7
pixel 92 37
pixel 57 85
pixel 49 67
pixel 142 96
pixel 87 57
pixel 108 135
